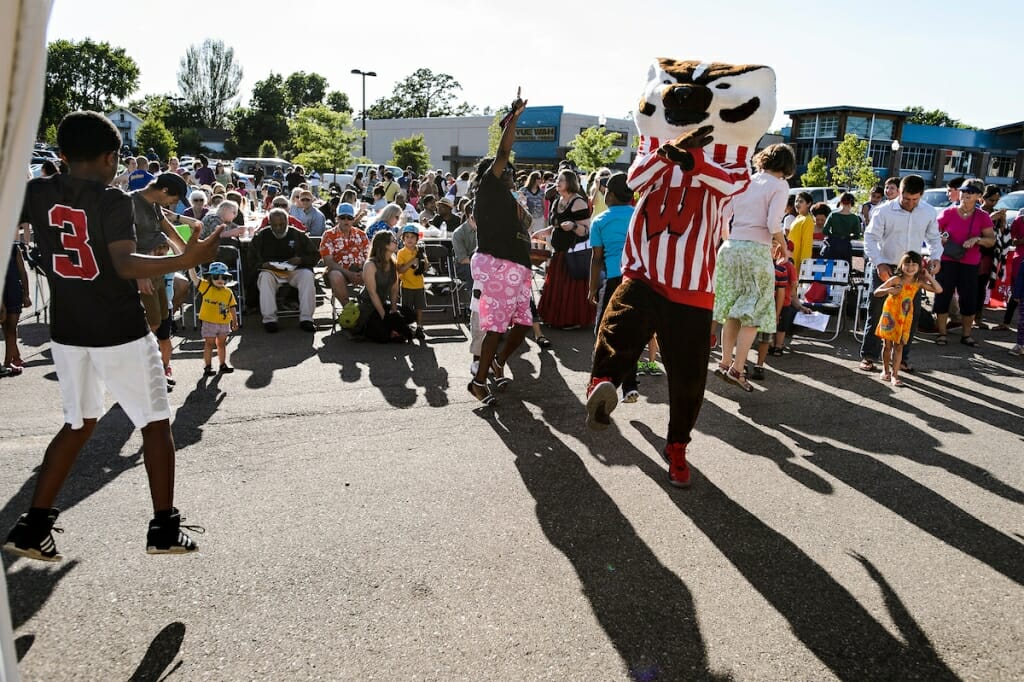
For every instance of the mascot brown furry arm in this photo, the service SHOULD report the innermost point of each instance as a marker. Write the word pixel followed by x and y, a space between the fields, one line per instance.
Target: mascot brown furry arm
pixel 699 123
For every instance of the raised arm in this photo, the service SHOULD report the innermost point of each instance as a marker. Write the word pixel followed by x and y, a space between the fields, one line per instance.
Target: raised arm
pixel 131 265
pixel 508 136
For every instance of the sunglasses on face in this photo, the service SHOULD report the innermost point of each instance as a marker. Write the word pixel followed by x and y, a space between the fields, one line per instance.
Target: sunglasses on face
pixel 218 278
pixel 346 217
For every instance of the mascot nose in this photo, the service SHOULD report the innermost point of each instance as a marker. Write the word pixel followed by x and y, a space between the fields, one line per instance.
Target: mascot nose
pixel 688 97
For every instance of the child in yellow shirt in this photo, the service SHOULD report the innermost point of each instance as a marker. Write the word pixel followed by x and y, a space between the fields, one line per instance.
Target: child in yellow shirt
pixel 411 263
pixel 218 314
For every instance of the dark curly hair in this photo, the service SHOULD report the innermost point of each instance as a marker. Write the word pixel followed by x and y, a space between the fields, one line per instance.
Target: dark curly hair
pixel 776 158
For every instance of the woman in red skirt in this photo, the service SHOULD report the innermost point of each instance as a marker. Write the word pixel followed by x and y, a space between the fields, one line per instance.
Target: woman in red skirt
pixel 564 302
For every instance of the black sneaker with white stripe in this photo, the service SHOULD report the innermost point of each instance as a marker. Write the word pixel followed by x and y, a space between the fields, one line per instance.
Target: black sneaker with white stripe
pixel 166 536
pixel 32 535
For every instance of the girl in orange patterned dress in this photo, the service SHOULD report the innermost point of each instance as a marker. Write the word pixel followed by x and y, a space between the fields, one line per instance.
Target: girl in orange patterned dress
pixel 898 310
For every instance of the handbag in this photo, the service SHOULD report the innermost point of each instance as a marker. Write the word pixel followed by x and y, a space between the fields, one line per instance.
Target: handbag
pixel 955 250
pixel 577 260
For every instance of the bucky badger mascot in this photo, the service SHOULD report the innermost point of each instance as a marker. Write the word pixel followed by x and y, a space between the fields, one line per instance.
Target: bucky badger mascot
pixel 699 123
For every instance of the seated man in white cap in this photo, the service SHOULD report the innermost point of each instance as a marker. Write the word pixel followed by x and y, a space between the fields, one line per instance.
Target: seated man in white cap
pixel 344 249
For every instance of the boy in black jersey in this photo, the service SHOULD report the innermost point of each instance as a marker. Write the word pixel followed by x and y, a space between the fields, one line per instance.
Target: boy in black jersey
pixel 84 229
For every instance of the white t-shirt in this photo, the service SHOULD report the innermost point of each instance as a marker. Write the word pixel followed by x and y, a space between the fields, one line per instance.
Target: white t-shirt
pixel 758 210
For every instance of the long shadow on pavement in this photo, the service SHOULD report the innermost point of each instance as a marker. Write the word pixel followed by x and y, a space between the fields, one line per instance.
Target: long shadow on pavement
pixel 261 353
pixel 821 612
pixel 161 652
pixel 645 609
pixel 199 406
pixel 391 367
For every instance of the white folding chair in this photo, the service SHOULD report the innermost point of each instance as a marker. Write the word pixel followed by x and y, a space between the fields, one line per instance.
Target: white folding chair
pixel 835 275
pixel 864 293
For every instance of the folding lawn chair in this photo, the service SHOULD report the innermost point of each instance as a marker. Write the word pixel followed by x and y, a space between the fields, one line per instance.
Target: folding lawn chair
pixel 834 275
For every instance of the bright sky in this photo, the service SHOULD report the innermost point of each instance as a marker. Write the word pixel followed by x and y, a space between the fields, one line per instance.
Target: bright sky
pixel 591 57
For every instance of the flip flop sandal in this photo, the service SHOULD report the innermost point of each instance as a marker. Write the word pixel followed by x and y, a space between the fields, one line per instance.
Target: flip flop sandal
pixel 886 377
pixel 481 393
pixel 941 340
pixel 897 382
pixel 906 367
pixel 867 365
pixel 543 341
pixel 968 341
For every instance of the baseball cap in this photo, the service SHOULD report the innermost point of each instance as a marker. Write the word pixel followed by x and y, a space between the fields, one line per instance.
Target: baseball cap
pixel 411 229
pixel 346 209
pixel 272 189
pixel 618 187
pixel 171 182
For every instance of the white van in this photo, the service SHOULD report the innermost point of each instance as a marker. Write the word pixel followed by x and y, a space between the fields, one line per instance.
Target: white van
pixel 248 165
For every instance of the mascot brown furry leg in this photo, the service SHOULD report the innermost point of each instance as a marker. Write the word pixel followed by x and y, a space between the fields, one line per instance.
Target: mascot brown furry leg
pixel 699 124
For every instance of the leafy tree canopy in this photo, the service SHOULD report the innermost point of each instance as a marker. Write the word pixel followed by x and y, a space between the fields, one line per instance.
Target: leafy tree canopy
pixel 935 117
pixel 594 148
pixel 420 95
pixel 304 90
pixel 209 78
pixel 410 151
pixel 338 101
pixel 322 139
pixel 817 173
pixel 264 118
pixel 153 133
pixel 853 168
pixel 85 75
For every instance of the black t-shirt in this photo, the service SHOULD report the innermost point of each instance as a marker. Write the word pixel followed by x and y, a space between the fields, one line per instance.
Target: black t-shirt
pixel 294 180
pixel 500 231
pixel 74 221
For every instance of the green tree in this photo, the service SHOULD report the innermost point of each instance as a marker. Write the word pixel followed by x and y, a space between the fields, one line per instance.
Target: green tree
pixel 304 90
pixel 494 134
pixel 189 141
pixel 322 139
pixel 853 168
pixel 410 151
pixel 50 137
pixel 209 78
pixel 817 173
pixel 594 148
pixel 268 150
pixel 85 75
pixel 153 133
pixel 934 117
pixel 264 118
pixel 338 101
pixel 420 95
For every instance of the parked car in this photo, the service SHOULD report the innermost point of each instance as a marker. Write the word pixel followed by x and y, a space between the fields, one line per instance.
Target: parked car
pixel 343 179
pixel 1013 203
pixel 936 198
pixel 826 194
pixel 247 165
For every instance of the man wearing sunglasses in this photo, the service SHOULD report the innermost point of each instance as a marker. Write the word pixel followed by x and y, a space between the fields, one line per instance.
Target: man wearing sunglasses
pixel 344 249
pixel 312 218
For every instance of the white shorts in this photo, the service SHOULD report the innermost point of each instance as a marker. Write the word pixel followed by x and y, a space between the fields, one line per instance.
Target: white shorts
pixel 133 373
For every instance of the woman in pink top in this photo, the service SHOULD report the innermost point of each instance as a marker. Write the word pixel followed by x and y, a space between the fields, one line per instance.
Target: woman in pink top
pixel 970 227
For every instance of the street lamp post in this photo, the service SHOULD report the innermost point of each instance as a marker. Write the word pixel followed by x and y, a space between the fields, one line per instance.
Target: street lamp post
pixel 364 74
pixel 896 157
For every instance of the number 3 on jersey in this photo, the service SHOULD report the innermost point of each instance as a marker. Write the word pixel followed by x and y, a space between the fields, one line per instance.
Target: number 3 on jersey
pixel 74 228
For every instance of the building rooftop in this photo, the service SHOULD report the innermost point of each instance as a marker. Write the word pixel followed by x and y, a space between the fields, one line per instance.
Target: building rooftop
pixel 847 107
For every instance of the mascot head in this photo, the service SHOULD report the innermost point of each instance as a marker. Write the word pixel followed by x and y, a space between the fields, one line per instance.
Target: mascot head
pixel 738 101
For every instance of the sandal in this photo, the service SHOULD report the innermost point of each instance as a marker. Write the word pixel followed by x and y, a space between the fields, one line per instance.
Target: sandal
pixel 941 340
pixel 968 341
pixel 867 365
pixel 721 371
pixel 896 382
pixel 777 352
pixel 740 379
pixel 886 377
pixel 480 392
pixel 906 367
pixel 543 341
pixel 500 380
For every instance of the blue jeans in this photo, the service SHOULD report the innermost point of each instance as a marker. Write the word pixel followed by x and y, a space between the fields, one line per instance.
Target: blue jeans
pixel 871 346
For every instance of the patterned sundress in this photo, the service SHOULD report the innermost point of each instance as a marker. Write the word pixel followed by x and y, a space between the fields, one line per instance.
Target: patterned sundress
pixel 897 315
